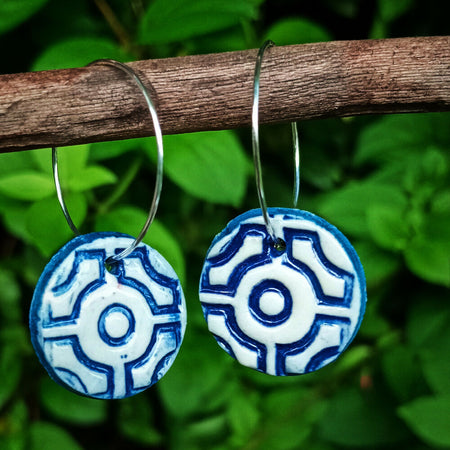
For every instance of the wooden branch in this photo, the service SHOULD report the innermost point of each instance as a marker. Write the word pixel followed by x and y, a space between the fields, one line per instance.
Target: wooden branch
pixel 212 92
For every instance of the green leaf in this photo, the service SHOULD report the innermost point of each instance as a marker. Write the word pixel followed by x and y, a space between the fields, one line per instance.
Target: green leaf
pixel 441 202
pixel 243 416
pixel 130 220
pixel 10 372
pixel 395 138
pixel 7 204
pixel 62 20
pixel 402 372
pixel 290 434
pixel 14 12
pixel 16 336
pixel 14 427
pixel 378 264
pixel 379 29
pixel 71 160
pixel 289 415
pixel 135 420
pixel 204 430
pixel 374 324
pixel 10 307
pixel 111 149
pixel 15 221
pixel 296 30
pixel 46 225
pixel 354 419
pixel 440 129
pixel 429 335
pixel 436 229
pixel 42 159
pixel 73 173
pixel 47 436
pixel 353 358
pixel 346 8
pixel 210 165
pixel 347 207
pixel 16 162
pixel 184 393
pixel 228 40
pixel 27 185
pixel 432 167
pixel 91 177
pixel 428 261
pixel 427 318
pixel 429 418
pixel 390 10
pixel 435 362
pixel 388 227
pixel 78 52
pixel 71 408
pixel 175 21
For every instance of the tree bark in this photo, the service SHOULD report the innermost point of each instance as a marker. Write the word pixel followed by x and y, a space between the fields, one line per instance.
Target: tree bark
pixel 213 92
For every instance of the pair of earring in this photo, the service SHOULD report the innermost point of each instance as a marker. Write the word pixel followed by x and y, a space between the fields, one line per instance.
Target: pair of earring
pixel 282 291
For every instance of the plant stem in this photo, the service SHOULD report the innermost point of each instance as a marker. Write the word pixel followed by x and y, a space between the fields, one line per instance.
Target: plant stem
pixel 122 186
pixel 114 23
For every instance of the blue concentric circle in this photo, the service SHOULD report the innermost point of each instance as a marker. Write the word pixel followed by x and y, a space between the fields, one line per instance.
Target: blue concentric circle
pixel 283 311
pixel 122 312
pixel 107 334
pixel 277 289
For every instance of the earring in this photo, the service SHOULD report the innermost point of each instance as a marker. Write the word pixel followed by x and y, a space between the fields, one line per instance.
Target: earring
pixel 108 313
pixel 282 290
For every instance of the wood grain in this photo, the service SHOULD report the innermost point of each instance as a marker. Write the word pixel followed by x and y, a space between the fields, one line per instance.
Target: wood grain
pixel 212 92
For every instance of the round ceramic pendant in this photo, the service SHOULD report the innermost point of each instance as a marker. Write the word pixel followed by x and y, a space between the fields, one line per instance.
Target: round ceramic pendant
pixel 283 311
pixel 107 334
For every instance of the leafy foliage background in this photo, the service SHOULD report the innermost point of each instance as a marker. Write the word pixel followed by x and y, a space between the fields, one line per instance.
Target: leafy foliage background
pixel 384 181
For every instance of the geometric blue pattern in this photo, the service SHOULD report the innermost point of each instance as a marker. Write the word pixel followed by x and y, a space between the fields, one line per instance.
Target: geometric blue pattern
pixel 282 312
pixel 107 334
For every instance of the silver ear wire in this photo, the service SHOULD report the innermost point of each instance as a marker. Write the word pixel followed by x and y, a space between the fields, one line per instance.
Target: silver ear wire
pixel 159 165
pixel 256 147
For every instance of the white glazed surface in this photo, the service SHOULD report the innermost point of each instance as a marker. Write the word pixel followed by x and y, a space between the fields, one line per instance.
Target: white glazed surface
pixel 287 312
pixel 102 334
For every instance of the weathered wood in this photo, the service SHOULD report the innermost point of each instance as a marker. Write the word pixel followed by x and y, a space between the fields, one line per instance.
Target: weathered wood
pixel 212 92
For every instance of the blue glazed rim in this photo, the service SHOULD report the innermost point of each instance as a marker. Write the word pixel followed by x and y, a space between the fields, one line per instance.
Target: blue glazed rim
pixel 36 302
pixel 322 223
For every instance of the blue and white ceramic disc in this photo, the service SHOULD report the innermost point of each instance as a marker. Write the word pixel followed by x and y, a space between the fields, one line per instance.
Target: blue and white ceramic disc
pixel 107 334
pixel 283 312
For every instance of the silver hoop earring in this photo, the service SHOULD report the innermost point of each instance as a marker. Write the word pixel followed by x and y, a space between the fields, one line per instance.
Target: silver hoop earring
pixel 282 290
pixel 108 313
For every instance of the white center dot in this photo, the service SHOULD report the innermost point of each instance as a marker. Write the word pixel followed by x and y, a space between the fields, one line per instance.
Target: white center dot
pixel 116 324
pixel 271 303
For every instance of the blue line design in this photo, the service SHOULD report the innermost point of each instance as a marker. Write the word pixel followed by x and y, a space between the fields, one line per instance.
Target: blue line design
pixel 295 348
pixel 68 374
pixel 66 285
pixel 95 366
pixel 116 341
pixel 317 361
pixel 240 270
pixel 323 299
pixel 170 283
pixel 225 345
pixel 80 256
pixel 267 256
pixel 174 329
pixel 265 286
pixel 230 320
pixel 40 318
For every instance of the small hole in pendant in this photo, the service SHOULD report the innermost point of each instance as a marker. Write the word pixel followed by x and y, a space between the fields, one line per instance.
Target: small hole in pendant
pixel 279 245
pixel 111 266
